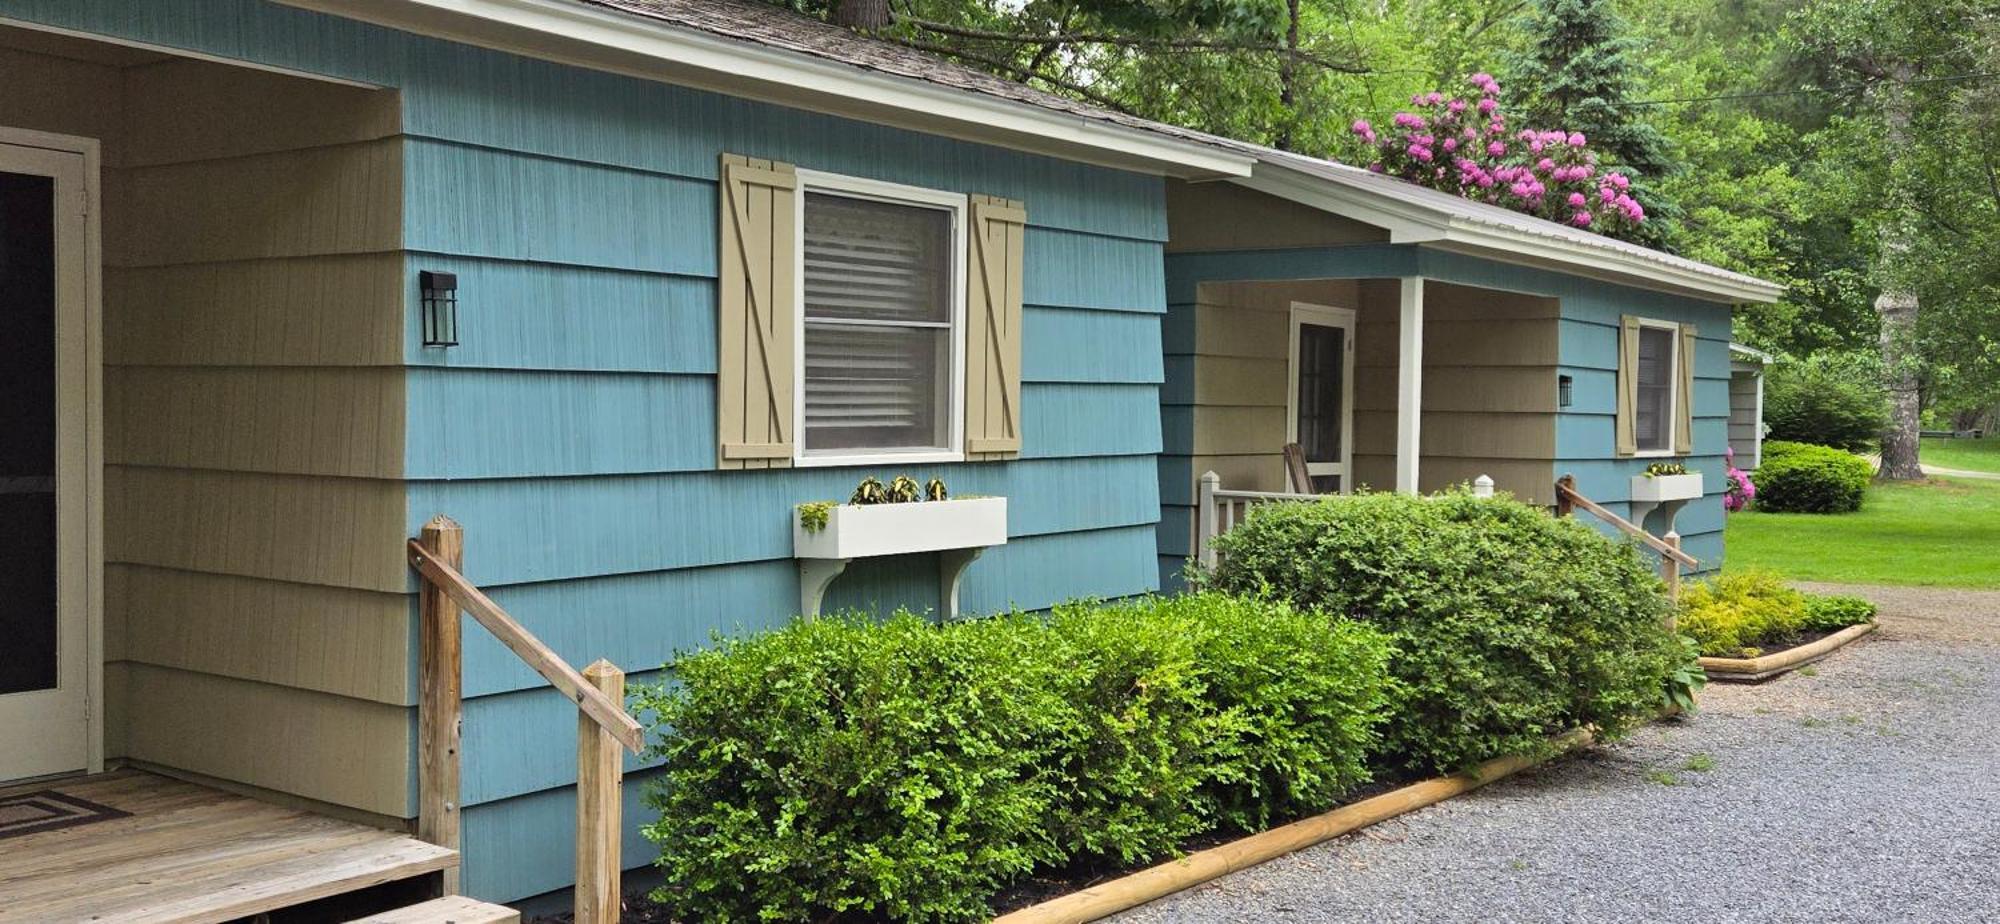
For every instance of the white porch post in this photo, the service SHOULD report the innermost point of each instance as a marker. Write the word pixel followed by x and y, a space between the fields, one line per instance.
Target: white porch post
pixel 1409 383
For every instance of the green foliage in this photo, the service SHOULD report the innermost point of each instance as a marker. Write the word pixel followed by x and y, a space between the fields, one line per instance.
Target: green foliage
pixel 1510 625
pixel 1687 678
pixel 843 766
pixel 1834 612
pixel 906 770
pixel 1735 615
pixel 1209 711
pixel 1802 478
pixel 870 491
pixel 1744 613
pixel 1581 72
pixel 813 515
pixel 1829 400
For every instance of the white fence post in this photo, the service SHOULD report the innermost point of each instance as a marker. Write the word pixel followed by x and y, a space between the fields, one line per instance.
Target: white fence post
pixel 1206 520
pixel 1482 486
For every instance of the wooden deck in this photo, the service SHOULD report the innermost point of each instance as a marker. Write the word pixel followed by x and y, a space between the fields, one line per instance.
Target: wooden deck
pixel 187 853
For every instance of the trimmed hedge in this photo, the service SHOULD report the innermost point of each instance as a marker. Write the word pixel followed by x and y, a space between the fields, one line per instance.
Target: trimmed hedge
pixel 1803 478
pixel 1744 613
pixel 907 770
pixel 1510 625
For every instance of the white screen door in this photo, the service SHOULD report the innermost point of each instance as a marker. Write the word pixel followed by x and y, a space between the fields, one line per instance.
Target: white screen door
pixel 1320 406
pixel 44 610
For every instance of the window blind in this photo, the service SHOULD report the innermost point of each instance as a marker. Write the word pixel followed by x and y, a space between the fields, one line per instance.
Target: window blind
pixel 877 324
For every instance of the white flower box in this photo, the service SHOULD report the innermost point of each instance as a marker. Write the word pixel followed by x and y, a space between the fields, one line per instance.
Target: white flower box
pixel 867 530
pixel 1660 489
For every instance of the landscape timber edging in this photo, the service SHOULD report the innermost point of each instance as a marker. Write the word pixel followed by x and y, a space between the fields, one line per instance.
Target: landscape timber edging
pixel 1108 898
pixel 1754 670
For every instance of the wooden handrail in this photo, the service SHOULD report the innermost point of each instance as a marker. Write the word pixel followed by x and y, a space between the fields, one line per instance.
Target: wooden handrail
pixel 1566 491
pixel 609 715
pixel 602 725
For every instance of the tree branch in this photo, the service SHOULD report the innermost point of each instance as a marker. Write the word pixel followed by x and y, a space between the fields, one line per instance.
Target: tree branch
pixel 1019 72
pixel 1127 41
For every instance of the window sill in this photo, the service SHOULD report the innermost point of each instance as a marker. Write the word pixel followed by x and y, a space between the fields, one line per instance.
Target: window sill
pixel 855 460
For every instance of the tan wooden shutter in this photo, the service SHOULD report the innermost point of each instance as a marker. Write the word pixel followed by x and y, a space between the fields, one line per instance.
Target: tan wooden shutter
pixel 993 329
pixel 1628 385
pixel 758 296
pixel 1684 419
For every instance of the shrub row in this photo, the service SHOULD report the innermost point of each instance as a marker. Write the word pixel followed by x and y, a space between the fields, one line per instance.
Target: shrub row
pixel 1803 478
pixel 1741 614
pixel 1510 625
pixel 847 768
pixel 907 770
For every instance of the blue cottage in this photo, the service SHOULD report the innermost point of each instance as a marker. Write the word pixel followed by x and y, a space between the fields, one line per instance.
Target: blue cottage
pixel 617 285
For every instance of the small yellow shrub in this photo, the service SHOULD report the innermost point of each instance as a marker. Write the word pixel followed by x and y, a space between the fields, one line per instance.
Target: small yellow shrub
pixel 1733 615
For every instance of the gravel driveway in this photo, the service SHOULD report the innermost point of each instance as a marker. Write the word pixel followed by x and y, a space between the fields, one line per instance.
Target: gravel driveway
pixel 1866 788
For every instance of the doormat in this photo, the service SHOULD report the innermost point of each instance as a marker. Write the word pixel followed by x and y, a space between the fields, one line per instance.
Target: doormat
pixel 46 810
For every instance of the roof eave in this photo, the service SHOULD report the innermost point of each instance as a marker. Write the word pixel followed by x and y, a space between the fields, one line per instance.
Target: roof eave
pixel 605 40
pixel 1612 264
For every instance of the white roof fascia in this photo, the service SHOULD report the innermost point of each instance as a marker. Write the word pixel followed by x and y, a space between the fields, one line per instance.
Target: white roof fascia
pixel 603 39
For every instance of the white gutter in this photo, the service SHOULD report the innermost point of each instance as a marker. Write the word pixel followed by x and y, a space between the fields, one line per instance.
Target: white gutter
pixel 606 40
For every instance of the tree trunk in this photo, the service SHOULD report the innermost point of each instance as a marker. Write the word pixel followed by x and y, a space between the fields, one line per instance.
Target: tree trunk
pixel 1897 305
pixel 866 15
pixel 1288 79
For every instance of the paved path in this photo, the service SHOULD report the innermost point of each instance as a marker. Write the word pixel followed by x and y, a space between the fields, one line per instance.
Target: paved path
pixel 1866 789
pixel 1876 461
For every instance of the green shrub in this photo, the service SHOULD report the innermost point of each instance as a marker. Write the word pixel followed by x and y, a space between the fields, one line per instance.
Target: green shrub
pixel 1834 612
pixel 1744 613
pixel 1800 478
pixel 906 770
pixel 1827 400
pixel 1510 625
pixel 842 766
pixel 1734 615
pixel 1208 711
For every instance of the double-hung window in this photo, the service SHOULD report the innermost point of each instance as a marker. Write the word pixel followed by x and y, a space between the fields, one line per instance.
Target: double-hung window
pixel 881 307
pixel 1658 400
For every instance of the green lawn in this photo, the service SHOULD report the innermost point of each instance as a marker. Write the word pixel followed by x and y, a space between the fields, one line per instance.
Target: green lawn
pixel 1980 455
pixel 1943 532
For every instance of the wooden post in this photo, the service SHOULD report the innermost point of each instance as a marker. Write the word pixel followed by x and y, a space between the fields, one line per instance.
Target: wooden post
pixel 1205 516
pixel 1564 485
pixel 1670 570
pixel 600 765
pixel 439 676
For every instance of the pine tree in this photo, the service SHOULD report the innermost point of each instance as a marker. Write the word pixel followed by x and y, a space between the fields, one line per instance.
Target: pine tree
pixel 1579 75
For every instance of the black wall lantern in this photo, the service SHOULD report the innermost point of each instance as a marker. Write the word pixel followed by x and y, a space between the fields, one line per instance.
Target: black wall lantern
pixel 440 292
pixel 1564 387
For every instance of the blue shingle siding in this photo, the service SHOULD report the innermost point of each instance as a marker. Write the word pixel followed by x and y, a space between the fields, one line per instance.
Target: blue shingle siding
pixel 572 431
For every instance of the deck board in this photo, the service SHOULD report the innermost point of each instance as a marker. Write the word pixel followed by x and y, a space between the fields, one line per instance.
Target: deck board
pixel 192 854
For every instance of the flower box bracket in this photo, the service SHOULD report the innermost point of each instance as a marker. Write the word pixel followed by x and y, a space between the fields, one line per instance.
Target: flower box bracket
pixel 958 530
pixel 1667 492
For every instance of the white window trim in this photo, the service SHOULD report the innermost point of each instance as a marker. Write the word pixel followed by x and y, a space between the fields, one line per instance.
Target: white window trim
pixel 1324 316
pixel 955 204
pixel 1674 396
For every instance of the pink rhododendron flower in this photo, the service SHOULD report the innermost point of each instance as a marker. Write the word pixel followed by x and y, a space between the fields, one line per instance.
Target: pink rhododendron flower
pixel 1578 200
pixel 1575 139
pixel 1496 148
pixel 1580 219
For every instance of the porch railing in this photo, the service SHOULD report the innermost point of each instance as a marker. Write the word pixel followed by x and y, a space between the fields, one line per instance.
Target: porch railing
pixel 603 727
pixel 1672 559
pixel 1220 510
